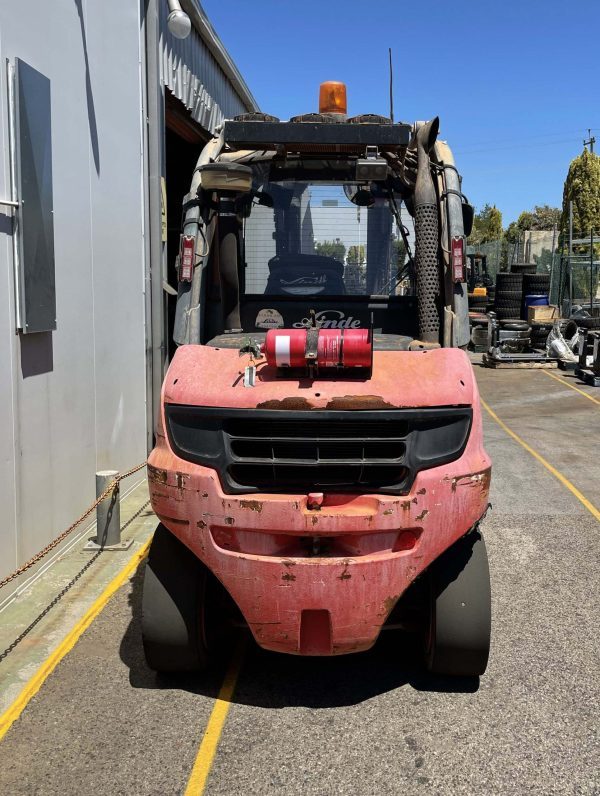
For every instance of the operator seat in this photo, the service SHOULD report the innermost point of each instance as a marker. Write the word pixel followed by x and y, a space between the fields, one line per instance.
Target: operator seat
pixel 305 275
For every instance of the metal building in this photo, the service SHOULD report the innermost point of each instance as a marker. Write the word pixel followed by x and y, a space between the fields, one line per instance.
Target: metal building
pixel 102 115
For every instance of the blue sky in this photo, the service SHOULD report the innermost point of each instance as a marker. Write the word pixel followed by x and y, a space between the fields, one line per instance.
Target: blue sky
pixel 515 84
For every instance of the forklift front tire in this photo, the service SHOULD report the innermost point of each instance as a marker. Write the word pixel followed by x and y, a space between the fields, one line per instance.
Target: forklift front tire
pixel 458 638
pixel 174 607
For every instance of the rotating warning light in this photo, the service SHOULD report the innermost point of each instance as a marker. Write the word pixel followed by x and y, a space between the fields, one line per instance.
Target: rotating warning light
pixel 332 97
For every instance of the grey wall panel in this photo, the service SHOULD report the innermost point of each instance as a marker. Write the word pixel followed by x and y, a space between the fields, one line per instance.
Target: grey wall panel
pixel 8 483
pixel 80 390
pixel 118 280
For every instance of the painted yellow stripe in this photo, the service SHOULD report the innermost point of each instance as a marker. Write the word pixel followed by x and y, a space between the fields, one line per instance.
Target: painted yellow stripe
pixel 556 473
pixel 214 728
pixel 572 386
pixel 46 669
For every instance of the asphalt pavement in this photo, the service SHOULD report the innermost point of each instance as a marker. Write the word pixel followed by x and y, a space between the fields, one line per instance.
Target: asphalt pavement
pixel 371 723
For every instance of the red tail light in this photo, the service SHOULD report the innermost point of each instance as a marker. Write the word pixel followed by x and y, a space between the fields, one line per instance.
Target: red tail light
pixel 186 265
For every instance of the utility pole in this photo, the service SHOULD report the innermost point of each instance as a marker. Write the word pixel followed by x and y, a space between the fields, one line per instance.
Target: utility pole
pixel 591 141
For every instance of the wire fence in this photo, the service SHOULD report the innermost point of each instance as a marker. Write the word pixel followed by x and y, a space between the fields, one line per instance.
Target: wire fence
pixel 574 279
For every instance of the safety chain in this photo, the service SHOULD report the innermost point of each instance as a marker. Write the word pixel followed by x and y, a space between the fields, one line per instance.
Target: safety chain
pixel 38 556
pixel 64 590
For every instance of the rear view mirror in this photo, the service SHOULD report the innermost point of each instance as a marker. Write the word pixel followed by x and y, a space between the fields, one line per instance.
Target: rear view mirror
pixel 231 177
pixel 468 214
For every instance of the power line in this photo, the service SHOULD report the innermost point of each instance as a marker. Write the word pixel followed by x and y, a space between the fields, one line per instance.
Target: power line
pixel 538 140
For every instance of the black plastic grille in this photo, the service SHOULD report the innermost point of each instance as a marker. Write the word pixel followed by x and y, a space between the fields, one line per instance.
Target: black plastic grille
pixel 348 451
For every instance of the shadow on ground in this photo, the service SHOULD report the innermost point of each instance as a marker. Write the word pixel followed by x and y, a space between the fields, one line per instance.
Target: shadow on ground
pixel 273 680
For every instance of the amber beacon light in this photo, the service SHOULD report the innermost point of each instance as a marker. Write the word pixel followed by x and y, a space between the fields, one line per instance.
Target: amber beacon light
pixel 332 97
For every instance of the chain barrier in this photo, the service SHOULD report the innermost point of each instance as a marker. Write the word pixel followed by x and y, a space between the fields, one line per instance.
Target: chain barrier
pixel 64 590
pixel 38 556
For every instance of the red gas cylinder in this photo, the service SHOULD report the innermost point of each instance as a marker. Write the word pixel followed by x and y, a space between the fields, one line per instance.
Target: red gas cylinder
pixel 325 348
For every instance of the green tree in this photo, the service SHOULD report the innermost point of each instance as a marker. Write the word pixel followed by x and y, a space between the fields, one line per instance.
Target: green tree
pixel 331 248
pixel 399 253
pixel 582 187
pixel 487 225
pixel 541 217
pixel 356 255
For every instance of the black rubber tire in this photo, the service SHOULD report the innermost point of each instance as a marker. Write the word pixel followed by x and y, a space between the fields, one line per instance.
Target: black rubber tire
pixel 458 637
pixel 174 607
pixel 515 326
pixel 568 328
pixel 508 296
pixel 523 268
pixel 512 282
pixel 587 323
pixel 510 313
pixel 536 284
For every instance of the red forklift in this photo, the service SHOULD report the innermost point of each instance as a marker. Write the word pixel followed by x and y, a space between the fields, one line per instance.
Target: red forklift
pixel 319 470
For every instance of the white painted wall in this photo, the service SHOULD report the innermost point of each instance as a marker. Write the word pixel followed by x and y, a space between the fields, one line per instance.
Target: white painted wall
pixel 82 408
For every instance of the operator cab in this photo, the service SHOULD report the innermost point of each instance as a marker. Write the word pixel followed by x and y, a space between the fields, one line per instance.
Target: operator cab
pixel 314 215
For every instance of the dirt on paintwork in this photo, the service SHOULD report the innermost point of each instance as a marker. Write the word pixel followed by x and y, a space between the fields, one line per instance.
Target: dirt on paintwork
pixel 181 478
pixel 157 475
pixel 289 576
pixel 345 574
pixel 389 603
pixel 359 402
pixel 253 505
pixel 289 404
pixel 481 480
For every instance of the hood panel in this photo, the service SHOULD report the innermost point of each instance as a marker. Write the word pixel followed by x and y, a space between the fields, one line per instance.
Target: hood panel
pixel 207 376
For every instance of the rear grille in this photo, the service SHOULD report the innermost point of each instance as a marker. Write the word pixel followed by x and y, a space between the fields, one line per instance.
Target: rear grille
pixel 351 451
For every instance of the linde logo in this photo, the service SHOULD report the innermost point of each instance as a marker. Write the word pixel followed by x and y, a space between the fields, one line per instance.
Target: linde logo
pixel 339 322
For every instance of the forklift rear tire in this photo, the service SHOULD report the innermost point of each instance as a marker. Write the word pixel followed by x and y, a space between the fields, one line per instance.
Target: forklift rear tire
pixel 174 607
pixel 458 639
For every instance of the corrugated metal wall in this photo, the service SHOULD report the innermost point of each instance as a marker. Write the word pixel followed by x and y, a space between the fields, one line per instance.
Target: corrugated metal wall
pixel 192 73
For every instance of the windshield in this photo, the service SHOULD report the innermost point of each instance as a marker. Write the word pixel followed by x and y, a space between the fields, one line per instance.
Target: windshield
pixel 307 238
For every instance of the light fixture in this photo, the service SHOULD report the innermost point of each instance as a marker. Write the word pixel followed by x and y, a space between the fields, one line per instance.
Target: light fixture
pixel 178 21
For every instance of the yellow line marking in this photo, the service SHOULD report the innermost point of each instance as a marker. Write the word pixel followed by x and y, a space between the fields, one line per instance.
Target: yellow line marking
pixel 35 683
pixel 572 386
pixel 214 728
pixel 564 481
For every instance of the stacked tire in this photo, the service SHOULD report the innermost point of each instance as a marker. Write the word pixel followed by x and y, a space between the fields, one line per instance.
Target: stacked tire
pixel 509 293
pixel 539 333
pixel 593 324
pixel 477 303
pixel 536 284
pixel 523 268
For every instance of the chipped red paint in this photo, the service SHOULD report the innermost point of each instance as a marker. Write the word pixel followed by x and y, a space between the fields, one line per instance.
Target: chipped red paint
pixel 211 377
pixel 286 564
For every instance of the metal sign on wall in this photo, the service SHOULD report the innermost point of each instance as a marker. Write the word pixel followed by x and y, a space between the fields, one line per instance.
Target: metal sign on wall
pixel 33 150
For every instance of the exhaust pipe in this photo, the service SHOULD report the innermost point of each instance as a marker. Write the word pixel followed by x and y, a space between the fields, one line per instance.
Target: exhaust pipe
pixel 427 238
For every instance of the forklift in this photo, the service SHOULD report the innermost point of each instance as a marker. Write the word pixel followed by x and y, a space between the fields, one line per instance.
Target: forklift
pixel 319 470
